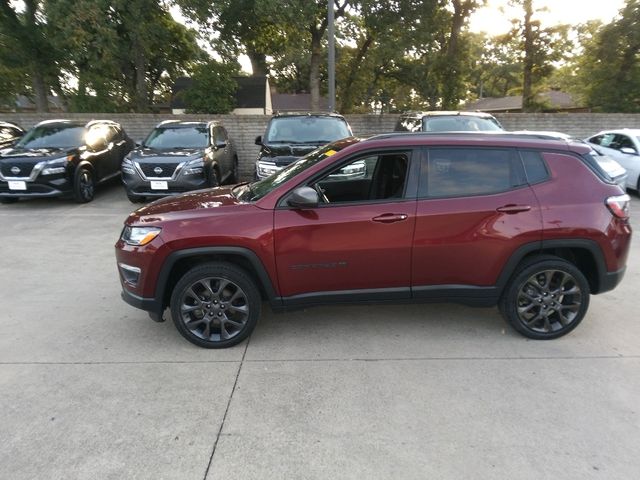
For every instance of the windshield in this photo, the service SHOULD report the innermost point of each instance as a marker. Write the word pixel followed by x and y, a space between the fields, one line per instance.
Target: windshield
pixel 459 123
pixel 53 136
pixel 306 129
pixel 257 190
pixel 182 137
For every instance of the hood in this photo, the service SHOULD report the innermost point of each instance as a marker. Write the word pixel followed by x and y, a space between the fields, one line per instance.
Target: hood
pixel 29 155
pixel 284 154
pixel 146 154
pixel 194 200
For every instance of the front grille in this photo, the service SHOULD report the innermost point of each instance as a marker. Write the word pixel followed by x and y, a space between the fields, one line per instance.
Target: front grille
pixel 167 169
pixel 25 168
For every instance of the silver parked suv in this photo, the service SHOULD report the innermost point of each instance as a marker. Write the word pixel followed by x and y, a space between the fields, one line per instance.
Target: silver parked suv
pixel 178 157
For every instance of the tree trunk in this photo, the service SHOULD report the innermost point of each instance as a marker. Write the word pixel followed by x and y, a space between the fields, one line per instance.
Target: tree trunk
pixel 40 90
pixel 451 84
pixel 528 100
pixel 346 97
pixel 314 70
pixel 258 62
pixel 140 61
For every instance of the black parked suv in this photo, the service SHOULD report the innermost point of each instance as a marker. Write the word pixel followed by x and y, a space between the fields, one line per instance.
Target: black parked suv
pixel 178 157
pixel 443 121
pixel 290 136
pixel 63 158
pixel 9 133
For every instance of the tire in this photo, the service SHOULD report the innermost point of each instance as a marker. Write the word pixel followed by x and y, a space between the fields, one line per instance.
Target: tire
pixel 546 298
pixel 214 177
pixel 215 305
pixel 135 199
pixel 8 200
pixel 83 185
pixel 235 175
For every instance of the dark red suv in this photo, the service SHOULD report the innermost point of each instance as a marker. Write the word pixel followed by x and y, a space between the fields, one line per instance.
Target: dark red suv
pixel 534 226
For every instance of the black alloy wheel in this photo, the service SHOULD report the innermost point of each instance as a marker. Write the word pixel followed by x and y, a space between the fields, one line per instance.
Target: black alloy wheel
pixel 547 298
pixel 84 185
pixel 216 305
pixel 214 177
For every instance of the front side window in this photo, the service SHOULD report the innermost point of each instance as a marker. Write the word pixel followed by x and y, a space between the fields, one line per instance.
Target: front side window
pixel 374 177
pixel 177 137
pixel 306 129
pixel 459 172
pixel 624 142
pixel 53 136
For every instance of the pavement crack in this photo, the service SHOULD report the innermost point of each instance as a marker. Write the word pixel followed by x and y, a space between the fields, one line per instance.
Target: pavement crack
pixel 226 411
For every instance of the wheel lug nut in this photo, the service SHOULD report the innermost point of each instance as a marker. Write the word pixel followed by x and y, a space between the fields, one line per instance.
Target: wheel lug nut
pixel 221 305
pixel 219 314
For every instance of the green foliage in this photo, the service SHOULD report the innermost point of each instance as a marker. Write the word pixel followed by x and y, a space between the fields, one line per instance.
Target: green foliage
pixel 213 89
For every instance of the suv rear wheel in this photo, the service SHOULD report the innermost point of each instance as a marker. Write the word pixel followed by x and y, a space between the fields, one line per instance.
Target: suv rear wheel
pixel 546 298
pixel 215 305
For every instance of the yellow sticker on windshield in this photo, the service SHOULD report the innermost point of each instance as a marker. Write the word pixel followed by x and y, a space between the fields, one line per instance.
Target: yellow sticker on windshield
pixel 328 153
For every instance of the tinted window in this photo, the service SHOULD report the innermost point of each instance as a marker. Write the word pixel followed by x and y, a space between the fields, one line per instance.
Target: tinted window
pixel 53 136
pixel 597 139
pixel 455 172
pixel 459 123
pixel 534 167
pixel 177 137
pixel 607 140
pixel 623 141
pixel 304 129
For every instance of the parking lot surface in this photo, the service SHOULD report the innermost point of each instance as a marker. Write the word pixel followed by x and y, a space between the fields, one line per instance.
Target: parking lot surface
pixel 91 388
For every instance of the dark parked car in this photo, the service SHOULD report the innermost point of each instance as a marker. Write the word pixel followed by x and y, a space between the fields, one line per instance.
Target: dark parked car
pixel 9 134
pixel 437 121
pixel 63 158
pixel 178 157
pixel 534 226
pixel 290 136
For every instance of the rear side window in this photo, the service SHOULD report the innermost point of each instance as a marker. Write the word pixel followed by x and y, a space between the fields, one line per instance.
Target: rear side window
pixel 534 167
pixel 459 172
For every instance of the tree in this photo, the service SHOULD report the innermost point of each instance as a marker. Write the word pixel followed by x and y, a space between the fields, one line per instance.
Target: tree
pixel 540 47
pixel 608 73
pixel 213 89
pixel 24 44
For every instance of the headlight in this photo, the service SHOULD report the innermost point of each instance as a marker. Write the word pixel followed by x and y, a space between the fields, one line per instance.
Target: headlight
pixel 194 167
pixel 267 169
pixel 127 166
pixel 140 235
pixel 57 165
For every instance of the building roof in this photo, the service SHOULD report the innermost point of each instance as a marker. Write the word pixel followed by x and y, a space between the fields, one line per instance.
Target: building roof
pixel 556 100
pixel 296 102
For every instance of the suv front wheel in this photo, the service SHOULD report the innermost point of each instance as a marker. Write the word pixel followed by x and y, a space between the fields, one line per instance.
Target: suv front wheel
pixel 215 305
pixel 546 298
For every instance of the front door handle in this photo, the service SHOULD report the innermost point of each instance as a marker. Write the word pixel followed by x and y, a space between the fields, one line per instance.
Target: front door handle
pixel 390 217
pixel 511 209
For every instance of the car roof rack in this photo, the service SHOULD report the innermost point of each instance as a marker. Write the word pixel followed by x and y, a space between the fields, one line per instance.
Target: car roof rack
pixel 496 134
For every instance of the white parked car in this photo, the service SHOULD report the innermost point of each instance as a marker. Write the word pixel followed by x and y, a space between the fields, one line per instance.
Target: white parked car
pixel 624 147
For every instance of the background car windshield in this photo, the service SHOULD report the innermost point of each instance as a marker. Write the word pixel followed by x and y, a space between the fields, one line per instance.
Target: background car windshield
pixel 164 138
pixel 305 129
pixel 53 136
pixel 459 123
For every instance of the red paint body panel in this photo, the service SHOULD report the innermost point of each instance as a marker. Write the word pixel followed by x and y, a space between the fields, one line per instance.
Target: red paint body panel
pixel 466 241
pixel 342 248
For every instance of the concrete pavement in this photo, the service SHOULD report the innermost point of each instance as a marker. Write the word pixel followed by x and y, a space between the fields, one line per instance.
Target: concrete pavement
pixel 91 388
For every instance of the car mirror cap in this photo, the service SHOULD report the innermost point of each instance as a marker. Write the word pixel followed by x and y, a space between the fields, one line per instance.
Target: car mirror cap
pixel 304 197
pixel 258 140
pixel 628 151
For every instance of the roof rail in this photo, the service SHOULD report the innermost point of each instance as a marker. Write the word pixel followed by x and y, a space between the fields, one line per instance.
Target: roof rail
pixel 95 121
pixel 54 120
pixel 496 134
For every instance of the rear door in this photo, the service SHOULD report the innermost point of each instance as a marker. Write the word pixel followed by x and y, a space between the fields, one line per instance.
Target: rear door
pixel 358 243
pixel 474 210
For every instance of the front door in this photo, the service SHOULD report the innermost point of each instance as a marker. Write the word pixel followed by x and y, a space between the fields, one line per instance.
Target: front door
pixel 357 242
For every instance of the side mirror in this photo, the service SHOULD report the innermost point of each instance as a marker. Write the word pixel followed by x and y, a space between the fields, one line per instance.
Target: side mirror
pixel 258 140
pixel 304 197
pixel 628 151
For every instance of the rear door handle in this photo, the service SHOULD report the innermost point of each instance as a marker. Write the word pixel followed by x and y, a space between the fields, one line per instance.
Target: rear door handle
pixel 390 217
pixel 511 209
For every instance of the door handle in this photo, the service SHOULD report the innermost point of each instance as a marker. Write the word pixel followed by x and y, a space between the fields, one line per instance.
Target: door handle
pixel 511 209
pixel 390 217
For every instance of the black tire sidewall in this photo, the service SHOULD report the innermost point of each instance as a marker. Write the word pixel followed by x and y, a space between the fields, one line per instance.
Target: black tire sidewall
pixel 223 270
pixel 508 303
pixel 214 177
pixel 79 197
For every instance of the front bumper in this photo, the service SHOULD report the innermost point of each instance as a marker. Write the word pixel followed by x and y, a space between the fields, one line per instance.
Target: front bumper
pixel 137 187
pixel 56 186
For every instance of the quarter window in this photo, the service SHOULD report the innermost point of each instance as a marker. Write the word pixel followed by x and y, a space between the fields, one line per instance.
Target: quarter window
pixel 459 172
pixel 534 167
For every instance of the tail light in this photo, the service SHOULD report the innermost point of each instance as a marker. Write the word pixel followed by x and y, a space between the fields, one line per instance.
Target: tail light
pixel 619 205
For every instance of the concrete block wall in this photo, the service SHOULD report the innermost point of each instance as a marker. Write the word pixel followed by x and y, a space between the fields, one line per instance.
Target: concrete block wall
pixel 243 129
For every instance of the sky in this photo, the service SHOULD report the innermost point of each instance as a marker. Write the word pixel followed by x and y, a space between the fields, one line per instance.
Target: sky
pixel 494 22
